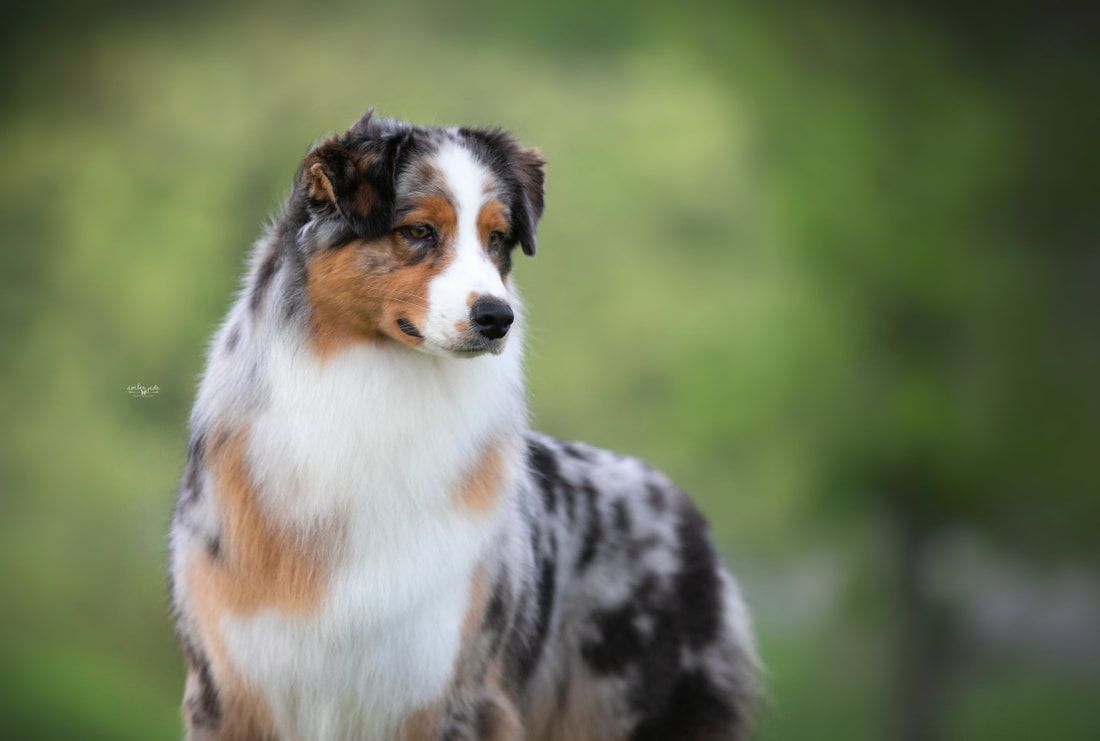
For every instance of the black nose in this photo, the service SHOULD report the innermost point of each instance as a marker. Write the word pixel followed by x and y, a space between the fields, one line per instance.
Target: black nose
pixel 492 317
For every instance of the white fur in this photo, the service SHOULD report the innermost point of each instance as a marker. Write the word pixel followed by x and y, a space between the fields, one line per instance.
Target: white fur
pixel 380 438
pixel 471 271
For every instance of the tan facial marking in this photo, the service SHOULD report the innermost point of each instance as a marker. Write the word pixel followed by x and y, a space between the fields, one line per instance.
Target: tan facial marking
pixel 358 292
pixel 481 488
pixel 491 218
pixel 437 211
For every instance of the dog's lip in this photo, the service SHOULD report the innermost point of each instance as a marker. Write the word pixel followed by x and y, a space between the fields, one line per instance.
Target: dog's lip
pixel 472 351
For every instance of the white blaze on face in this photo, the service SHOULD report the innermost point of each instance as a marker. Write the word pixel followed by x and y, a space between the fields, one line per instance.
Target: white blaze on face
pixel 471 270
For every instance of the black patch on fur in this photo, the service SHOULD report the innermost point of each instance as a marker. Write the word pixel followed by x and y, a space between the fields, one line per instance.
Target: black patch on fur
pixel 487 718
pixel 531 650
pixel 498 611
pixel 695 709
pixel 362 167
pixel 672 702
pixel 655 495
pixel 593 532
pixel 698 588
pixel 294 296
pixel 264 275
pixel 203 710
pixel 576 451
pixel 618 643
pixel 191 486
pixel 622 518
pixel 545 467
pixel 520 172
pixel 570 496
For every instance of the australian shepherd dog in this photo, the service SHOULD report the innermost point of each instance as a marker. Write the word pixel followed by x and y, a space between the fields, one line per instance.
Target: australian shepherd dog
pixel 369 542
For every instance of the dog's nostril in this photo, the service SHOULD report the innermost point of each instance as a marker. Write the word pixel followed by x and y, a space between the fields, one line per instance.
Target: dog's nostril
pixel 492 317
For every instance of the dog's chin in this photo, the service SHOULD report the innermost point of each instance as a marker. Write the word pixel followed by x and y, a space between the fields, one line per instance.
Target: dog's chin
pixel 475 348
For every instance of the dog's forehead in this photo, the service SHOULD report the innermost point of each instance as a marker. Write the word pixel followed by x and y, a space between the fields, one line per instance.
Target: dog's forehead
pixel 444 164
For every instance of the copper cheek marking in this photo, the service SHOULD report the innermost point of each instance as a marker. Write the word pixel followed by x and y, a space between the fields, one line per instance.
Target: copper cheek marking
pixel 341 309
pixel 439 212
pixel 435 210
pixel 492 217
pixel 353 300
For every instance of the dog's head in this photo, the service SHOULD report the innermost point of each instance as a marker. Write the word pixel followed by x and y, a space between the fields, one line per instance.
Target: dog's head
pixel 409 234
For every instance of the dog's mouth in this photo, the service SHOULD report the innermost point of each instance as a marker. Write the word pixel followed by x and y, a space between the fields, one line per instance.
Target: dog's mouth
pixel 474 349
pixel 468 347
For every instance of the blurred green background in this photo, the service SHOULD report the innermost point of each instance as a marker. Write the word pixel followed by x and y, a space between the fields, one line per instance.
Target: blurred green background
pixel 835 270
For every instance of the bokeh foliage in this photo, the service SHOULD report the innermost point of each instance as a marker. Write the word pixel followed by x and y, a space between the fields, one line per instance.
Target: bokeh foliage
pixel 835 271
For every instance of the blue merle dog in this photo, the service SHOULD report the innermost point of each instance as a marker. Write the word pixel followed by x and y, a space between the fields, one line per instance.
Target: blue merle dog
pixel 369 542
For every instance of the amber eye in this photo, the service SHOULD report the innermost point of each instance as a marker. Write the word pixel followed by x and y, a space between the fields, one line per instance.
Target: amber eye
pixel 496 239
pixel 418 233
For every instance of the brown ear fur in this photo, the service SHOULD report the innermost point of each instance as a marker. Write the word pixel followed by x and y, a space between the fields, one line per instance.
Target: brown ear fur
pixel 352 176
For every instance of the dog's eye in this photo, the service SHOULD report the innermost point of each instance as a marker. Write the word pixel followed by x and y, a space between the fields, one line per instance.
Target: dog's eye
pixel 418 233
pixel 496 239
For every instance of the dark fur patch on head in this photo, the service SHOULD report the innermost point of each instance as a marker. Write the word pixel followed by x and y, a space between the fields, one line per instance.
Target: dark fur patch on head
pixel 352 177
pixel 522 176
pixel 263 278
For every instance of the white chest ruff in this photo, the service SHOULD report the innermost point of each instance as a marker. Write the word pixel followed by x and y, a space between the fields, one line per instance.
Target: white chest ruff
pixel 380 442
pixel 363 662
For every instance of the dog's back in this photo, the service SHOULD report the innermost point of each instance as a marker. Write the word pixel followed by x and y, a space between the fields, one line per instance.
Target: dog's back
pixel 634 629
pixel 368 543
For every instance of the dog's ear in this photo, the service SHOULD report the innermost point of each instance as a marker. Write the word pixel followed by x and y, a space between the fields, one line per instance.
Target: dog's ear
pixel 352 176
pixel 529 167
pixel 522 170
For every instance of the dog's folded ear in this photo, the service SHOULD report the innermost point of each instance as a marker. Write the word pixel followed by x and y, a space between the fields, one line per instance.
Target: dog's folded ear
pixel 352 176
pixel 522 168
pixel 529 167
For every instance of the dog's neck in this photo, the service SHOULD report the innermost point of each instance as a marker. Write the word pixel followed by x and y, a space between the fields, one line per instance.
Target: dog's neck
pixel 375 424
pixel 369 448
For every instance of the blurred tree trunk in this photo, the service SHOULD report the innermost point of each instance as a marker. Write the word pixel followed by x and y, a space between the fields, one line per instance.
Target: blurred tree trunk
pixel 921 667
